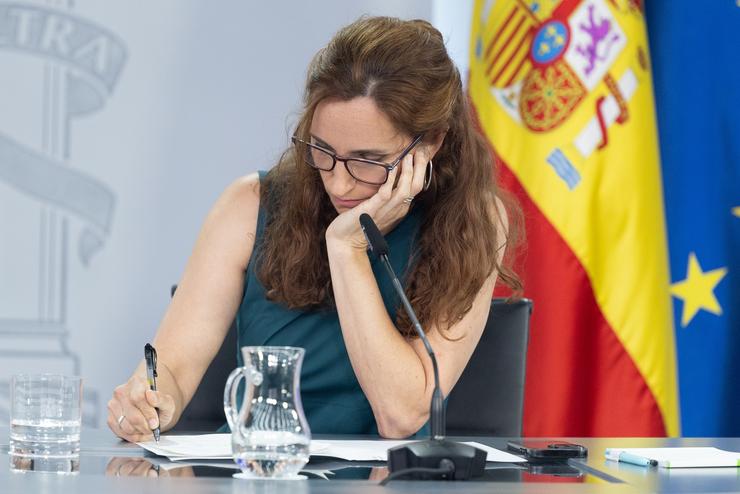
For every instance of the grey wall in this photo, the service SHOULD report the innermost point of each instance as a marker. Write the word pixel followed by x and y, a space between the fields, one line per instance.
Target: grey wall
pixel 120 123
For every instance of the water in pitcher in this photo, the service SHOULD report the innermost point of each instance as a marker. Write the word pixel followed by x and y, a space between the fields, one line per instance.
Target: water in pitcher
pixel 271 453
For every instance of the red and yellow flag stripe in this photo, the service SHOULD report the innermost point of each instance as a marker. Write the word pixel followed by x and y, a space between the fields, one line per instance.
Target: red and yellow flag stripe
pixel 576 140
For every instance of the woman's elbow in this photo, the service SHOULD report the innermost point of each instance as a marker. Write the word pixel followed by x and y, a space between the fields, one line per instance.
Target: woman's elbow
pixel 401 425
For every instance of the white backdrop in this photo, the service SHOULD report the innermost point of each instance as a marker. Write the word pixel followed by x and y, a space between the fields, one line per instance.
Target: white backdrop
pixel 120 123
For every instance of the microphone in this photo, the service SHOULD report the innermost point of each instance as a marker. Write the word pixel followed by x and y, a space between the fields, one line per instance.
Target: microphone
pixel 375 239
pixel 435 457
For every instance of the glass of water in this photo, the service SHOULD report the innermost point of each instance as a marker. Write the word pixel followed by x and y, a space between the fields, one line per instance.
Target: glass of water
pixel 45 418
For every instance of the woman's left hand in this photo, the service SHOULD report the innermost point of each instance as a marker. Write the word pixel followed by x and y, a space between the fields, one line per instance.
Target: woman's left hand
pixel 387 206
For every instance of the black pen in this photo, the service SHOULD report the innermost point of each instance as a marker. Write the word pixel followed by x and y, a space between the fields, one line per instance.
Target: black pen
pixel 150 355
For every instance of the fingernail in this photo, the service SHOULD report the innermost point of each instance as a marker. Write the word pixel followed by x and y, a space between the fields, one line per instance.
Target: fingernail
pixel 153 423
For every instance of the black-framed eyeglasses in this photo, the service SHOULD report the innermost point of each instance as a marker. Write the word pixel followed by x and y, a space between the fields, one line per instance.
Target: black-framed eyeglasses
pixel 363 170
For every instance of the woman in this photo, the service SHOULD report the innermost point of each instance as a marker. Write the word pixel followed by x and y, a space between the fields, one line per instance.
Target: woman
pixel 385 130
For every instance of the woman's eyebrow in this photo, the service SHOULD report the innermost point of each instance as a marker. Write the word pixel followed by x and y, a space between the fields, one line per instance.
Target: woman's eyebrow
pixel 324 144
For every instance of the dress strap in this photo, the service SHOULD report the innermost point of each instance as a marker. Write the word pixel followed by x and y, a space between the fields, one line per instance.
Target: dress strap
pixel 261 216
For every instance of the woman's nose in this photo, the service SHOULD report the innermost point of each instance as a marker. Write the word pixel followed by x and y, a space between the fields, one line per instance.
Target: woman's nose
pixel 342 182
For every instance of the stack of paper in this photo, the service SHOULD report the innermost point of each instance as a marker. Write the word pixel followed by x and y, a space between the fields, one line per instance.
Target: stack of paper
pixel 218 446
pixel 684 457
pixel 200 447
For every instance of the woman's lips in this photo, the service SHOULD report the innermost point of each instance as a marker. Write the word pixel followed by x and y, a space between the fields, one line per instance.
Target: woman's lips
pixel 346 203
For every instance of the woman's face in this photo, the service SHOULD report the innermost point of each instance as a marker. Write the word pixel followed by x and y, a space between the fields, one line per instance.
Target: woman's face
pixel 354 129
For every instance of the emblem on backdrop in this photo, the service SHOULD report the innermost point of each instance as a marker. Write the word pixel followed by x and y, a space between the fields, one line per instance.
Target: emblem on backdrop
pixel 60 68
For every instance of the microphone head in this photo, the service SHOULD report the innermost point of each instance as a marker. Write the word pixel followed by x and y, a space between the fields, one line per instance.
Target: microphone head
pixel 375 239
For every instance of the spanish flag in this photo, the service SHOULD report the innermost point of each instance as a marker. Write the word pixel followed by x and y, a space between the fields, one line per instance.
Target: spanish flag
pixel 563 91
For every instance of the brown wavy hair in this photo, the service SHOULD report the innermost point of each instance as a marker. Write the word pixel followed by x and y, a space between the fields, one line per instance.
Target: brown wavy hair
pixel 404 67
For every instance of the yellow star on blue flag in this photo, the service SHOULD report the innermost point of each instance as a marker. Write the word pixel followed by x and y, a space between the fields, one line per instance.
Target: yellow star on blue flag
pixel 736 211
pixel 697 290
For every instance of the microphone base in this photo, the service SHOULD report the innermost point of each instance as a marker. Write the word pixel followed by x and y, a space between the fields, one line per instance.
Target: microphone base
pixel 469 461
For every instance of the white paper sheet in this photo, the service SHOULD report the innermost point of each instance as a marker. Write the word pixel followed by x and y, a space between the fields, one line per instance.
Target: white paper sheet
pixel 218 446
pixel 200 447
pixel 205 446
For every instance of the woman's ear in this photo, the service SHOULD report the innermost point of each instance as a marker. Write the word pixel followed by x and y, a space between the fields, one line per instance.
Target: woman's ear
pixel 433 145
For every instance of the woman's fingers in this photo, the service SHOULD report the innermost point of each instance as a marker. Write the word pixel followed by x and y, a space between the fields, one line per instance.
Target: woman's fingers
pixel 117 419
pixel 421 161
pixel 164 404
pixel 146 408
pixel 403 190
pixel 138 411
pixel 389 205
pixel 411 181
pixel 120 426
pixel 385 192
pixel 135 410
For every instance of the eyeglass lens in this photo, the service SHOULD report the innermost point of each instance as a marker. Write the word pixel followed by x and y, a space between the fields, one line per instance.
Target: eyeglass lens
pixel 360 170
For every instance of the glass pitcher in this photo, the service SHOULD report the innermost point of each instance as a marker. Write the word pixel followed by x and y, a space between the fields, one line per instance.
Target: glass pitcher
pixel 269 432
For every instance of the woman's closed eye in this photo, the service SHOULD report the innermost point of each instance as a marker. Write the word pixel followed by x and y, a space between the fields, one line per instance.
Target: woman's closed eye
pixel 371 157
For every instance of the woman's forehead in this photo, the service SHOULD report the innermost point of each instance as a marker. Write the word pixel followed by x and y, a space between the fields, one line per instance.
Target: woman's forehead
pixel 354 124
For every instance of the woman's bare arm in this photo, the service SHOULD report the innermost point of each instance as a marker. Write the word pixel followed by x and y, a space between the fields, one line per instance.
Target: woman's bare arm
pixel 197 319
pixel 396 373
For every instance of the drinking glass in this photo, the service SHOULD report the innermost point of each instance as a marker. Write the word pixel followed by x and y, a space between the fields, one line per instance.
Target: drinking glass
pixel 45 420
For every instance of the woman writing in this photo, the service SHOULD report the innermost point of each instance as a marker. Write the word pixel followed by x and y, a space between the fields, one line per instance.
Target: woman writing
pixel 386 131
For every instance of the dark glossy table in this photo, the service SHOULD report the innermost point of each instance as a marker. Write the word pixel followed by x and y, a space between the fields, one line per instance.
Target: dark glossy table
pixel 109 465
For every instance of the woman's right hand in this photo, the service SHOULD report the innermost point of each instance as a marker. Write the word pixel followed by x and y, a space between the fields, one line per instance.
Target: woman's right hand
pixel 132 411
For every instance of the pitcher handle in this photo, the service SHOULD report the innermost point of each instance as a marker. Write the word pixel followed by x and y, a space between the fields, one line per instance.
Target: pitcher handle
pixel 234 415
pixel 231 411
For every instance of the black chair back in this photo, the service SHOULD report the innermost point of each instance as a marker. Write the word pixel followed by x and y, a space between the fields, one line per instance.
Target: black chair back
pixel 488 399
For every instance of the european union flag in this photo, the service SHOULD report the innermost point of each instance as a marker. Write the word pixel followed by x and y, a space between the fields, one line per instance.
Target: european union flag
pixel 695 55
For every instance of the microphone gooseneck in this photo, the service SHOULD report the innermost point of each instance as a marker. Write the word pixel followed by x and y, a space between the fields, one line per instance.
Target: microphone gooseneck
pixel 437 457
pixel 379 247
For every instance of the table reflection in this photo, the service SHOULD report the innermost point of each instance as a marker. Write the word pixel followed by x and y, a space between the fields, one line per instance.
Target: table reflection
pixel 557 472
pixel 143 467
pixel 334 470
pixel 155 467
pixel 63 466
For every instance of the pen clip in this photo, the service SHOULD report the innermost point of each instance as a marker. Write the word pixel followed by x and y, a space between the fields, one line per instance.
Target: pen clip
pixel 150 354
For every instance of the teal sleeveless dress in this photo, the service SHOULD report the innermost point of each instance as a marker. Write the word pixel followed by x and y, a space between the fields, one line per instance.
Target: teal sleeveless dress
pixel 332 398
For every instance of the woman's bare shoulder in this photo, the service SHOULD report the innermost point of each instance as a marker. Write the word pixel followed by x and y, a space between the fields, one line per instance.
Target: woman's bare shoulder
pixel 232 222
pixel 244 191
pixel 240 201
